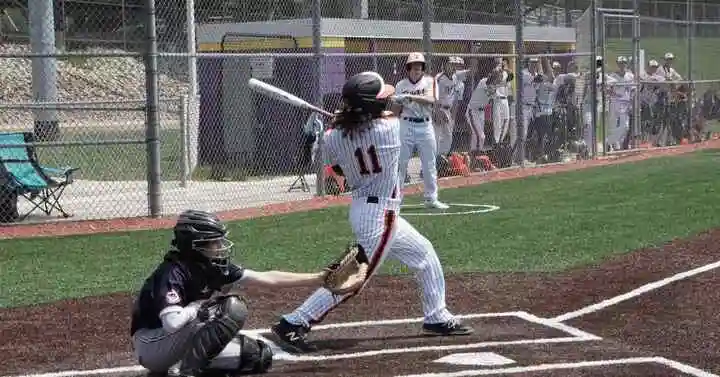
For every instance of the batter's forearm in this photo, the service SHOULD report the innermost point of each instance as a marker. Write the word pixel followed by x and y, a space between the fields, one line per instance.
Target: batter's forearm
pixel 429 100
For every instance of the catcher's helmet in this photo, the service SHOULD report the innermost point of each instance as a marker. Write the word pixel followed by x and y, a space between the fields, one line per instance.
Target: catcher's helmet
pixel 201 236
pixel 366 92
pixel 415 57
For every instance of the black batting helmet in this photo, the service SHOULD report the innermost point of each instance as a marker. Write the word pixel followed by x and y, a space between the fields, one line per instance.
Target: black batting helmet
pixel 201 236
pixel 366 92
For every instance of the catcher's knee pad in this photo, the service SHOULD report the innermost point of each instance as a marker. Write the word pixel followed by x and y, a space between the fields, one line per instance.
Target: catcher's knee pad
pixel 235 308
pixel 255 356
pixel 213 337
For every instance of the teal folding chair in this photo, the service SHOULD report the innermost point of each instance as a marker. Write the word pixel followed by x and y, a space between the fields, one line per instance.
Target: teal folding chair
pixel 20 172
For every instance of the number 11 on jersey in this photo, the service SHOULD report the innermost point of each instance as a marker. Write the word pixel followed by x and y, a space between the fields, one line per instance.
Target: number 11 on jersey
pixel 374 160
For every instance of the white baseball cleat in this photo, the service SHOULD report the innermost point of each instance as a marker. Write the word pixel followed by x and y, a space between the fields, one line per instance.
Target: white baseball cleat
pixel 436 204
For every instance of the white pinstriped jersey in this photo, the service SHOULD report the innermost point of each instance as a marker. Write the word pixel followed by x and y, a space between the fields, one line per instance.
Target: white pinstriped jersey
pixel 423 87
pixel 369 160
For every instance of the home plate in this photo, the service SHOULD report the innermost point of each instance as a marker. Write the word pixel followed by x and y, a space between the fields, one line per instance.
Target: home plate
pixel 475 358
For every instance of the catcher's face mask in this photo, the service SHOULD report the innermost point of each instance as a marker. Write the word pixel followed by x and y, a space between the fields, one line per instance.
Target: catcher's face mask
pixel 216 250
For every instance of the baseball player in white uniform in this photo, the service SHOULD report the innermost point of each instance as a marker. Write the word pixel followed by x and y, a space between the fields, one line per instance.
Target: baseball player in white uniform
pixel 668 71
pixel 450 89
pixel 475 114
pixel 649 94
pixel 529 92
pixel 416 98
pixel 499 81
pixel 591 104
pixel 621 89
pixel 365 146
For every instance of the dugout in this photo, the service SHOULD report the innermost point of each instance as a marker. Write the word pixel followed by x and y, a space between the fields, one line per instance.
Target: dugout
pixel 264 136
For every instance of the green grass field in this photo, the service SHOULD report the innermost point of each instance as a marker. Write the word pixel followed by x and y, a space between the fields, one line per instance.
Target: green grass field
pixel 115 162
pixel 545 223
pixel 704 58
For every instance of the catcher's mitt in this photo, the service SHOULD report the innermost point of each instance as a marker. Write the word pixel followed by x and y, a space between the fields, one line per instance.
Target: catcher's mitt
pixel 348 273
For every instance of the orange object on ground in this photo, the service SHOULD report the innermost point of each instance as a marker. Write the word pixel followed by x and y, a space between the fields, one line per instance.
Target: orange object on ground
pixel 485 162
pixel 458 165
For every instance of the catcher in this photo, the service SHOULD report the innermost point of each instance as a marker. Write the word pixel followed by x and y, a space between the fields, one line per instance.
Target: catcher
pixel 186 317
pixel 364 146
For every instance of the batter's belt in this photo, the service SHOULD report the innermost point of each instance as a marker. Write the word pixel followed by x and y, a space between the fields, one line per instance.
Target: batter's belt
pixel 416 120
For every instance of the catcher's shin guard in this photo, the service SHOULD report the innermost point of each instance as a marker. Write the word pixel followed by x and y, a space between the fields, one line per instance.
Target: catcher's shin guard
pixel 255 357
pixel 215 335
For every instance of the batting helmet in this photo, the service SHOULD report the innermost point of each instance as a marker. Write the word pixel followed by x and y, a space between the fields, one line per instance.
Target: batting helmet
pixel 366 92
pixel 415 57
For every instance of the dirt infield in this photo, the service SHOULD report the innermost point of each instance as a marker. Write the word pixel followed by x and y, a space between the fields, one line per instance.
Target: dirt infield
pixel 674 325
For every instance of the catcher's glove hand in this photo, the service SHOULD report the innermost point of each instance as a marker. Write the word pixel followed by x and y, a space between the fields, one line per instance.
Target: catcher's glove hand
pixel 348 273
pixel 212 307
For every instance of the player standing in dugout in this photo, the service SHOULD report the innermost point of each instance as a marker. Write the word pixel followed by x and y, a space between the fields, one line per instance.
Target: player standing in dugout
pixel 416 98
pixel 450 88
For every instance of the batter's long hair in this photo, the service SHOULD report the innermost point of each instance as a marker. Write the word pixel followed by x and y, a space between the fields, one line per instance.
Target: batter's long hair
pixel 356 120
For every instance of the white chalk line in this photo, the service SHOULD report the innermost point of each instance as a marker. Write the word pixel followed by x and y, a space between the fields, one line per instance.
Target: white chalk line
pixel 576 365
pixel 580 334
pixel 635 292
pixel 577 336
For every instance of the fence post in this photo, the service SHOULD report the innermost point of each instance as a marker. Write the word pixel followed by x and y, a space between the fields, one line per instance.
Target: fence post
pixel 152 131
pixel 316 12
pixel 593 77
pixel 690 35
pixel 44 69
pixel 184 147
pixel 520 51
pixel 427 12
pixel 635 128
pixel 192 85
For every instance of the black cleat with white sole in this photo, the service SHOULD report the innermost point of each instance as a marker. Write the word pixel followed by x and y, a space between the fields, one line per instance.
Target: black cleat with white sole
pixel 452 327
pixel 292 338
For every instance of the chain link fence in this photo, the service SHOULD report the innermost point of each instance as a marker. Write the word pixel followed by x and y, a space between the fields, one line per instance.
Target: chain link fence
pixel 672 97
pixel 79 86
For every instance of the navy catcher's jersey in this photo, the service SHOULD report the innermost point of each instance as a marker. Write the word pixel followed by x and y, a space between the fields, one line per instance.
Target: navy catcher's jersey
pixel 176 283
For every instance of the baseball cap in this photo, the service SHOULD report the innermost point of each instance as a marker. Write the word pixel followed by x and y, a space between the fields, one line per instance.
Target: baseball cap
pixel 669 55
pixel 598 58
pixel 621 59
pixel 653 63
pixel 533 60
pixel 556 64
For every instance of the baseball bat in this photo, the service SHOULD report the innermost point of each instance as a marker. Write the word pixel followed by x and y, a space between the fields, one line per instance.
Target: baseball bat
pixel 283 96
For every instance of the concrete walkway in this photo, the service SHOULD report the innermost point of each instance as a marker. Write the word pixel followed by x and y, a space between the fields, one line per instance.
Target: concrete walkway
pixel 92 200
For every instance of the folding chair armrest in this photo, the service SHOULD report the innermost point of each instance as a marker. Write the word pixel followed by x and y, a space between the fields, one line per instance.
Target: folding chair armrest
pixel 66 172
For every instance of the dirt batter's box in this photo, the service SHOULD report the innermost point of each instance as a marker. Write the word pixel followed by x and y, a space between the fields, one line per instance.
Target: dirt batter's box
pixel 387 337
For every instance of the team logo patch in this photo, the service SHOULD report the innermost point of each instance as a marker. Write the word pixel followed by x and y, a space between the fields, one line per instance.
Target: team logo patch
pixel 172 297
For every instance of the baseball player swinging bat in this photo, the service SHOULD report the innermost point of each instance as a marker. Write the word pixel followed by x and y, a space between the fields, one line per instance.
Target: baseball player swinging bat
pixel 283 96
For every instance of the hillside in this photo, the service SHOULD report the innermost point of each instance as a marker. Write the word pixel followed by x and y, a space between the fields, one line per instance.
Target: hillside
pixel 81 80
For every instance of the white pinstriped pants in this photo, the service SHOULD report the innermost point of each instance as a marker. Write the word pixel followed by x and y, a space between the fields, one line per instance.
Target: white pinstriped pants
pixel 384 234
